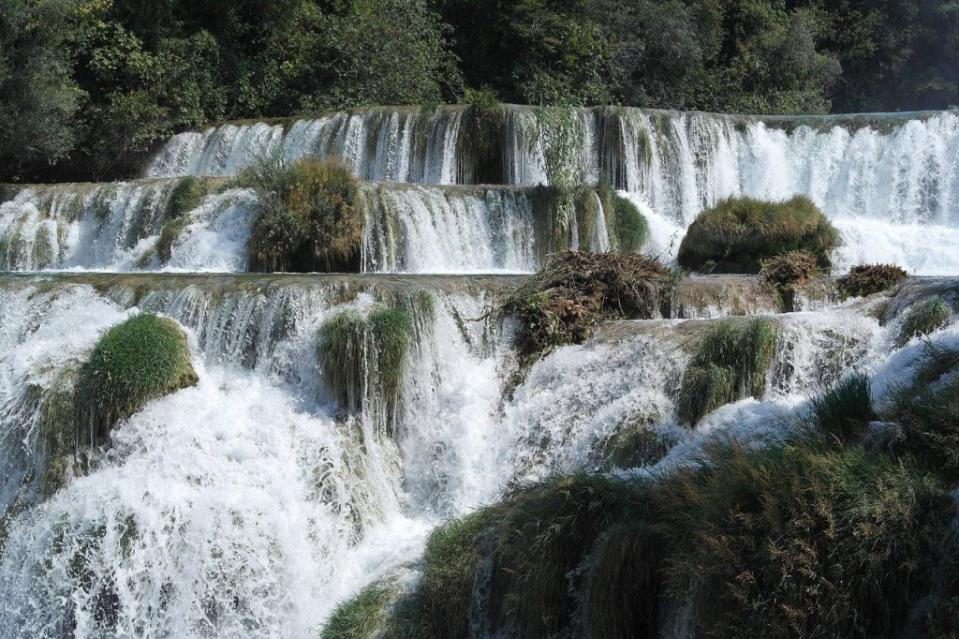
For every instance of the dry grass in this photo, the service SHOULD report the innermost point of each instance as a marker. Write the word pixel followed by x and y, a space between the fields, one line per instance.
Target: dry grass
pixel 868 279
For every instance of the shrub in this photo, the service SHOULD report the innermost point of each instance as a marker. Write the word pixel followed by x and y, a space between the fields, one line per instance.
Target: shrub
pixel 310 216
pixel 363 358
pixel 737 234
pixel 730 364
pixel 139 360
pixel 867 279
pixel 843 411
pixel 627 225
pixel 801 541
pixel 186 196
pixel 363 616
pixel 563 302
pixel 923 319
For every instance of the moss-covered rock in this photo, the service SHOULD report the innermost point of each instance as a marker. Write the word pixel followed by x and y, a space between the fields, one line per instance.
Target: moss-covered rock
pixel 364 357
pixel 186 196
pixel 169 233
pixel 310 216
pixel 563 302
pixel 730 363
pixel 627 227
pixel 139 360
pixel 924 318
pixel 738 234
pixel 868 279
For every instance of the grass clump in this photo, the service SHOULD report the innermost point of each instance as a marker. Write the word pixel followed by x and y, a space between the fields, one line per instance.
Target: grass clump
pixel 363 357
pixel 627 226
pixel 310 216
pixel 801 540
pixel 923 319
pixel 843 411
pixel 730 364
pixel 362 617
pixel 927 409
pixel 186 196
pixel 738 234
pixel 635 444
pixel 867 279
pixel 577 290
pixel 139 360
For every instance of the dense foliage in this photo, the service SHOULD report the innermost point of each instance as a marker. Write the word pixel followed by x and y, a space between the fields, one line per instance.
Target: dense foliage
pixel 89 87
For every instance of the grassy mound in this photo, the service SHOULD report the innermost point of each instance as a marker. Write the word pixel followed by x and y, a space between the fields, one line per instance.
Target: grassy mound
pixel 730 364
pixel 363 357
pixel 923 319
pixel 310 216
pixel 635 444
pixel 564 302
pixel 867 279
pixel 801 541
pixel 738 234
pixel 136 361
pixel 168 235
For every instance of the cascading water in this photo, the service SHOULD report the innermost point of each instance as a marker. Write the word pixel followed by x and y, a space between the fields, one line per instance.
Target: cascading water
pixel 256 501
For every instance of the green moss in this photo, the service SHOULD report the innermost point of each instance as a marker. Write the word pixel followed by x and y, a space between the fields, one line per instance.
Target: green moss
pixel 923 319
pixel 868 279
pixel 363 357
pixel 168 235
pixel 801 541
pixel 627 226
pixel 737 234
pixel 576 290
pixel 843 411
pixel 139 360
pixel 310 216
pixel 362 617
pixel 186 196
pixel 730 363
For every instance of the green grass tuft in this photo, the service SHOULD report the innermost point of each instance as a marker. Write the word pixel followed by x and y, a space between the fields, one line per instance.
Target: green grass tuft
pixel 362 617
pixel 310 216
pixel 139 360
pixel 737 234
pixel 627 226
pixel 730 364
pixel 868 279
pixel 843 411
pixel 363 357
pixel 923 319
pixel 634 445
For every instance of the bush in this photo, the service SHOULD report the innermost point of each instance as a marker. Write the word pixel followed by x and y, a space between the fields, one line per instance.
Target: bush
pixel 737 234
pixel 139 360
pixel 627 226
pixel 928 317
pixel 867 279
pixel 186 196
pixel 363 616
pixel 843 411
pixel 801 541
pixel 576 290
pixel 363 358
pixel 730 364
pixel 310 217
